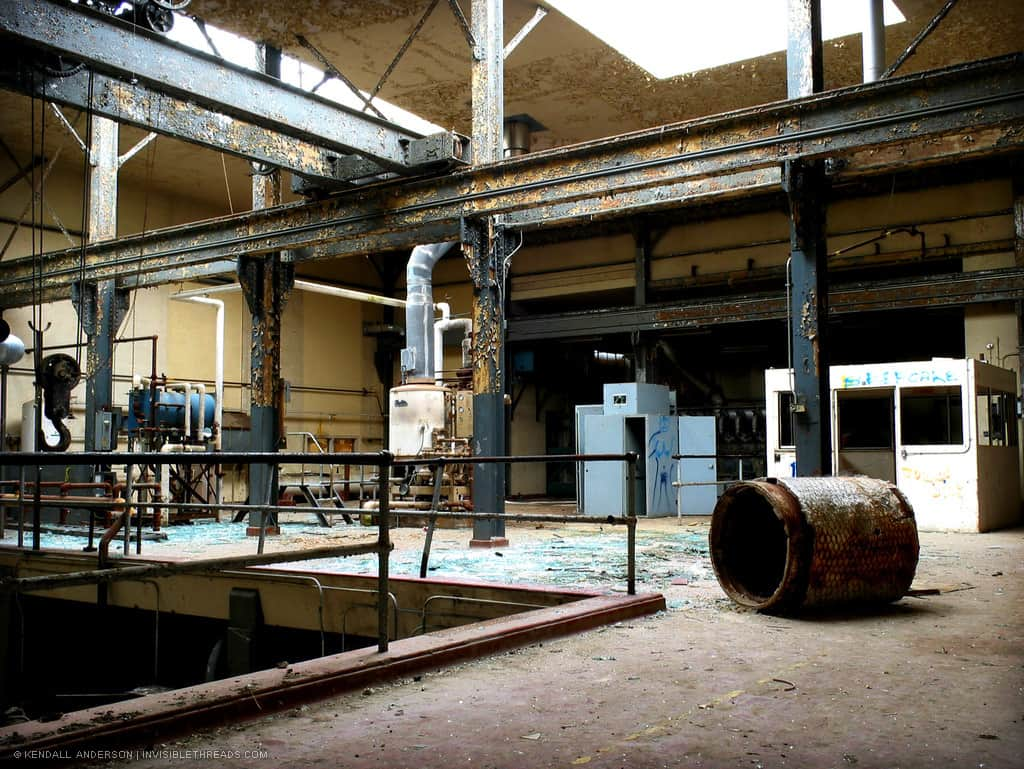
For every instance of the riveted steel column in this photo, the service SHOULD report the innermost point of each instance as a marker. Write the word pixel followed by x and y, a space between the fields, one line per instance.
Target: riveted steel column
pixel 642 273
pixel 485 246
pixel 805 73
pixel 100 305
pixel 265 280
pixel 806 186
pixel 488 80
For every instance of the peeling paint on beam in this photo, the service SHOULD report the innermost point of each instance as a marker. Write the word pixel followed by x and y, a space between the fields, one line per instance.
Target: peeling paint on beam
pixel 114 47
pixel 956 289
pixel 912 112
pixel 138 105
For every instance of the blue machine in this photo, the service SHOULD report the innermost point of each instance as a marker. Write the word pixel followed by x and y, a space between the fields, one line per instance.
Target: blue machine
pixel 170 410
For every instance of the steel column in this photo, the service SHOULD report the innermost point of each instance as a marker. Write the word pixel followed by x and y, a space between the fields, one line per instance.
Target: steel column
pixel 101 306
pixel 805 74
pixel 808 312
pixel 485 247
pixel 806 187
pixel 488 80
pixel 642 272
pixel 266 281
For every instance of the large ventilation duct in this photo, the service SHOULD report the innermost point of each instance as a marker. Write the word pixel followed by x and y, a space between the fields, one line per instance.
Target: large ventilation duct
pixel 418 355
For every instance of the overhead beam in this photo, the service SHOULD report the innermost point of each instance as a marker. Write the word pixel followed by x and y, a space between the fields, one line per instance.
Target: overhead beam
pixel 947 290
pixel 110 46
pixel 139 105
pixel 963 113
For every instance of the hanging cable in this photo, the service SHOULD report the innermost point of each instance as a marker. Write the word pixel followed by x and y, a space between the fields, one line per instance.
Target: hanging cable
pixel 86 206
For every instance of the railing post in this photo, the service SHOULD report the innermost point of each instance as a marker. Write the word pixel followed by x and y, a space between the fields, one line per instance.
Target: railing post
pixel 631 525
pixel 128 509
pixel 383 548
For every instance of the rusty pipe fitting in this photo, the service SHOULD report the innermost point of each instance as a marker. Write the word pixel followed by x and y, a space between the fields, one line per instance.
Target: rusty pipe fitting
pixel 778 545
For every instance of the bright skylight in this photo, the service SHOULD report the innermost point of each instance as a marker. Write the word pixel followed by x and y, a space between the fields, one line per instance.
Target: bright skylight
pixel 239 50
pixel 673 37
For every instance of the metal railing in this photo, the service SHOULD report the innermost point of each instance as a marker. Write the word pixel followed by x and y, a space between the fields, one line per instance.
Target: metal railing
pixel 111 571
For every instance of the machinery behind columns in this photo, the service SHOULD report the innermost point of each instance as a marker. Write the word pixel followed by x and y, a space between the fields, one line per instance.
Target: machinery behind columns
pixel 431 412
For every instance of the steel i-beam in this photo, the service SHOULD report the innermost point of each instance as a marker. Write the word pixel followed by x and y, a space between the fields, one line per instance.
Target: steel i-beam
pixel 962 113
pixel 115 48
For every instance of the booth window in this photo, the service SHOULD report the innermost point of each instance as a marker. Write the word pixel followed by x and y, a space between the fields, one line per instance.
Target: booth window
pixel 931 416
pixel 997 423
pixel 786 418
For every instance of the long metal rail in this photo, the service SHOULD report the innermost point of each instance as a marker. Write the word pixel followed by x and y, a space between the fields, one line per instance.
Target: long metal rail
pixel 873 128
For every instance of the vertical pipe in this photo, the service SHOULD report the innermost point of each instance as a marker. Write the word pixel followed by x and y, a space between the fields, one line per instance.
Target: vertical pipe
pixel 21 508
pixel 383 549
pixel 488 80
pixel 128 513
pixel 873 41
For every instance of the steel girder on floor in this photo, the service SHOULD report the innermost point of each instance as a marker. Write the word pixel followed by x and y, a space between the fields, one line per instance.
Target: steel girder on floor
pixel 965 112
pixel 179 91
pixel 955 289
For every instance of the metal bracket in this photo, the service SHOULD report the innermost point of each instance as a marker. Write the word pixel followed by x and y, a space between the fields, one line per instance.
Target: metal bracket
pixel 85 301
pixel 252 272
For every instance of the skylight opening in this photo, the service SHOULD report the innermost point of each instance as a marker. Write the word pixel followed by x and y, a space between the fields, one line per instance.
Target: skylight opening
pixel 241 51
pixel 675 37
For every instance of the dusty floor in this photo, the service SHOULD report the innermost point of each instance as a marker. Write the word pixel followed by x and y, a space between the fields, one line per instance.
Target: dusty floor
pixel 936 681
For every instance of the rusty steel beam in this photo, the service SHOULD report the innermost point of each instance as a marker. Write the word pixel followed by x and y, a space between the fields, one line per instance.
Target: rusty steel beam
pixel 666 167
pixel 112 47
pixel 946 290
pixel 139 105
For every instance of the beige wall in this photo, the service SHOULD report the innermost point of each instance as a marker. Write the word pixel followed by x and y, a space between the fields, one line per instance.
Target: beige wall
pixel 324 347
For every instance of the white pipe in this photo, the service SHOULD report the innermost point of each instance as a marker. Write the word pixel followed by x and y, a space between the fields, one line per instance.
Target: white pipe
pixel 165 474
pixel 185 387
pixel 873 41
pixel 218 377
pixel 349 293
pixel 440 326
pixel 200 389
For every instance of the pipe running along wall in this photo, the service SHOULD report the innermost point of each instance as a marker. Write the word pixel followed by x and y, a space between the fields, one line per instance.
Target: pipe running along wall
pixel 781 544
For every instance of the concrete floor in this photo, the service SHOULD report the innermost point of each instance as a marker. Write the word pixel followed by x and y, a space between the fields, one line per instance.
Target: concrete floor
pixel 931 681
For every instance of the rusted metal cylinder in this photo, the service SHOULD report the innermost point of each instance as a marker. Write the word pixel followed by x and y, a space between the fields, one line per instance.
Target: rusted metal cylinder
pixel 778 545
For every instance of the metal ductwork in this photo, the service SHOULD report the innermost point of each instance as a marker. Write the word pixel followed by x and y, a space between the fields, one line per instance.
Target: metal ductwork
pixel 418 355
pixel 779 545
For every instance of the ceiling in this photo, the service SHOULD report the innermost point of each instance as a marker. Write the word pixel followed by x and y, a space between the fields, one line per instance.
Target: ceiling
pixel 561 75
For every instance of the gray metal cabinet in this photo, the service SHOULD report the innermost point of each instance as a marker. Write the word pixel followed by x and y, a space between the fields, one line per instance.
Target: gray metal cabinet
pixel 697 436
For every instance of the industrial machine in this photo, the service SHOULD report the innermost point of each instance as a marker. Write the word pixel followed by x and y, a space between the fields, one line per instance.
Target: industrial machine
pixel 175 417
pixel 430 414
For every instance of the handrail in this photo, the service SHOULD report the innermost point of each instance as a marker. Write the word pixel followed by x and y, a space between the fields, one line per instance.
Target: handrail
pixel 383 461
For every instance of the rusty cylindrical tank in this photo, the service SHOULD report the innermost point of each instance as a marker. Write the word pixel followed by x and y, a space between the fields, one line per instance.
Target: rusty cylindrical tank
pixel 781 544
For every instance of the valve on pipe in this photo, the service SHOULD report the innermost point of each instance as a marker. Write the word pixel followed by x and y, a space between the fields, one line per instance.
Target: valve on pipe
pixel 779 545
